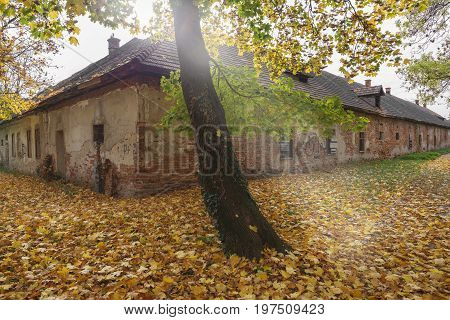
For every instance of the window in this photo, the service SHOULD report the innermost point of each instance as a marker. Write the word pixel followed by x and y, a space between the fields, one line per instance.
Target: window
pixel 331 144
pixel 99 135
pixel 1 143
pixel 428 141
pixel 13 145
pixel 435 141
pixel 362 141
pixel 286 150
pixel 19 151
pixel 420 140
pixel 410 144
pixel 381 135
pixel 29 143
pixel 37 143
pixel 397 136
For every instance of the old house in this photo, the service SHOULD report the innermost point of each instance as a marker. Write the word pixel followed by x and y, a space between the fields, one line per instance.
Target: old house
pixel 96 128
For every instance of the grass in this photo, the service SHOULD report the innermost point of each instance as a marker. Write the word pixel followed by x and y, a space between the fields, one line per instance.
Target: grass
pixel 429 155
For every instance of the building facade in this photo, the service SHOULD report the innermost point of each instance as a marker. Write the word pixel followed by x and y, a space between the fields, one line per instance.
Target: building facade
pixel 98 128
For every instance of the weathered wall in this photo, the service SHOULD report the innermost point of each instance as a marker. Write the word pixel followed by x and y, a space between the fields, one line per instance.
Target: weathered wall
pixel 116 110
pixel 19 160
pixel 389 146
pixel 137 158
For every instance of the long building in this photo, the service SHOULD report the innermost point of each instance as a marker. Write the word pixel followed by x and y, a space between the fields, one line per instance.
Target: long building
pixel 96 128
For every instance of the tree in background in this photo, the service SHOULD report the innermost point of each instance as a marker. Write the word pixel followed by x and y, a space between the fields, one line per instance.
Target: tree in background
pixel 23 64
pixel 293 35
pixel 28 37
pixel 427 30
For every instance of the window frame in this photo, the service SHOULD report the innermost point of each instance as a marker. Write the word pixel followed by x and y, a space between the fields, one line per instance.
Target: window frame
pixel 362 142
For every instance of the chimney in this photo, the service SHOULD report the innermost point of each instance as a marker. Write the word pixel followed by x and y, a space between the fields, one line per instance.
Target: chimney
pixel 113 44
pixel 368 83
pixel 417 102
pixel 388 91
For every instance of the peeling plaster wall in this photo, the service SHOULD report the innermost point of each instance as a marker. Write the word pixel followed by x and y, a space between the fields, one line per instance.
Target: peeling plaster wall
pixel 116 110
pixel 19 160
pixel 140 159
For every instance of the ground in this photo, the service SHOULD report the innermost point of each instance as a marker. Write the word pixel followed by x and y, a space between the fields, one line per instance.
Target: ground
pixel 377 230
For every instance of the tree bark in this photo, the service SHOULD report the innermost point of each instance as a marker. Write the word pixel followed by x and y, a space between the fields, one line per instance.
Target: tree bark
pixel 243 229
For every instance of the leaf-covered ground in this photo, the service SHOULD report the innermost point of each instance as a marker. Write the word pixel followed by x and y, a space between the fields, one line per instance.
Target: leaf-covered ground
pixel 370 231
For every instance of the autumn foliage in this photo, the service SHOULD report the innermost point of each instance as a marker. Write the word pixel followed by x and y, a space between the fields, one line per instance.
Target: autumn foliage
pixel 371 231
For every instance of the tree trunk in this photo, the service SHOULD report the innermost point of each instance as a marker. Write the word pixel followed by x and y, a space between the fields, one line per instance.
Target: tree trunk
pixel 243 229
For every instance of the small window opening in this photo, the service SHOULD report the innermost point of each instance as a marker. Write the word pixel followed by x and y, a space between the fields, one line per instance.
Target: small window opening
pixel 286 150
pixel 99 134
pixel 331 144
pixel 397 136
pixel 362 141
pixel 410 143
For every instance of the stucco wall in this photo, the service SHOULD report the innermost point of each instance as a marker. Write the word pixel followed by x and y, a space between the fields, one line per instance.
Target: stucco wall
pixel 137 158
pixel 19 160
pixel 116 110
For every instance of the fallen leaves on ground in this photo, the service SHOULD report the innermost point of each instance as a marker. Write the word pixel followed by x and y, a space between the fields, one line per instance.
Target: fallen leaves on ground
pixel 376 230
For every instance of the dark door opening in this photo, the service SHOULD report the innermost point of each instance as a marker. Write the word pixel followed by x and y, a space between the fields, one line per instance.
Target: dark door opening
pixel 60 154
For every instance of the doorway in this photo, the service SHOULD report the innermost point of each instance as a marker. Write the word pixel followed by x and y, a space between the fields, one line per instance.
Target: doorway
pixel 60 154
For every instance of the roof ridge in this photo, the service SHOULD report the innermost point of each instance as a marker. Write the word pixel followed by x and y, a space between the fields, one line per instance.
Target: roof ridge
pixel 163 55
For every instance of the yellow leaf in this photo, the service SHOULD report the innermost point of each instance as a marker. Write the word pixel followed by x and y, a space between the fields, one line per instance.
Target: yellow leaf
pixel 253 228
pixel 391 278
pixel 407 278
pixel 101 245
pixel 290 270
pixel 168 280
pixel 234 260
pixel 220 287
pixel 285 274
pixel 63 272
pixel 336 290
pixel 73 41
pixel 53 14
pixel 198 290
pixel 132 282
pixel 262 276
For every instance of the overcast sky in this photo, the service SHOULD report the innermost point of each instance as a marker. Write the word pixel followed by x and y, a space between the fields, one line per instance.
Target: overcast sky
pixel 93 46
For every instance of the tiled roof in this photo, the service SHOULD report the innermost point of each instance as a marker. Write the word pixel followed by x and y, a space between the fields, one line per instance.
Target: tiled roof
pixel 163 56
